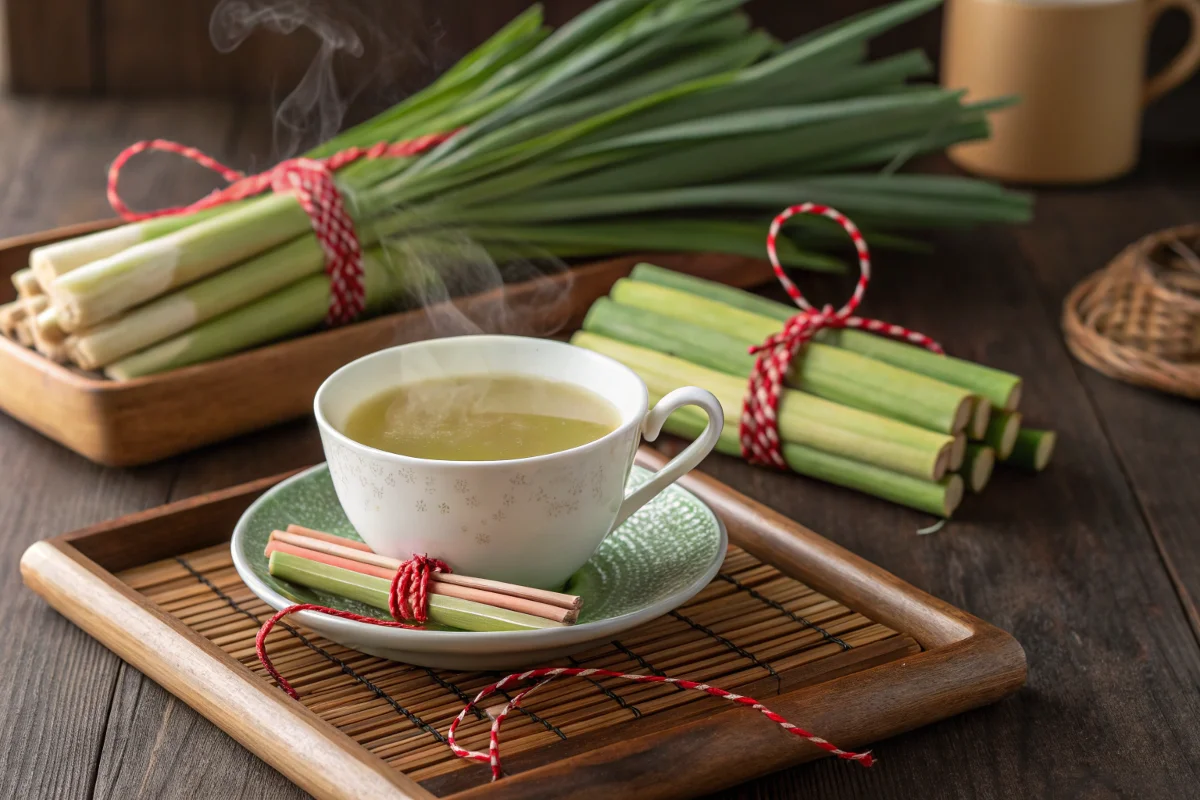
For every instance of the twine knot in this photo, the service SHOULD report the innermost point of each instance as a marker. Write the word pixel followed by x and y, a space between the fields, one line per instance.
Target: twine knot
pixel 408 599
pixel 758 429
pixel 312 182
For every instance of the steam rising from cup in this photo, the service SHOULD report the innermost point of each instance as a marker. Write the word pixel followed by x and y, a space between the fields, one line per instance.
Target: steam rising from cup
pixel 461 286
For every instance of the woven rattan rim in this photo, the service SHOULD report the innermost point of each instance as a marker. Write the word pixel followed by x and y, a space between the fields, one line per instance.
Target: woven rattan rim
pixel 1138 319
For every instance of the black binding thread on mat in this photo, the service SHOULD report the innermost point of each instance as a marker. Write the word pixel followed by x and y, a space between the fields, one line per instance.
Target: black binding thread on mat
pixel 746 654
pixel 779 607
pixel 544 722
pixel 646 665
pixel 608 692
pixel 345 668
pixel 459 693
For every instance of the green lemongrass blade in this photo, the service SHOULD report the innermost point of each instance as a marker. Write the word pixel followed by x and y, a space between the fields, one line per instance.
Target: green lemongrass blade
pixel 1032 449
pixel 1000 388
pixel 201 301
pixel 817 129
pixel 803 418
pixel 497 46
pixel 704 63
pixel 906 148
pixel 940 498
pixel 593 63
pixel 711 334
pixel 977 466
pixel 452 612
pixel 667 235
pixel 920 208
pixel 762 120
pixel 1003 430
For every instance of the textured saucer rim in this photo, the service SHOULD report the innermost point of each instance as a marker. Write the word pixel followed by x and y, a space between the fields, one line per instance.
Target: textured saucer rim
pixel 427 641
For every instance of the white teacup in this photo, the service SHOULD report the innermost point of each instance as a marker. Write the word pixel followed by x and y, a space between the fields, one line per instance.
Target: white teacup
pixel 530 521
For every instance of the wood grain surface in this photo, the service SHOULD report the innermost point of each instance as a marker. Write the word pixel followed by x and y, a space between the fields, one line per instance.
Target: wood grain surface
pixel 1094 565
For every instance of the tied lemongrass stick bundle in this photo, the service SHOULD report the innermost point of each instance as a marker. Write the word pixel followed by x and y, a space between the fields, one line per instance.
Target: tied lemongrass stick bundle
pixel 640 124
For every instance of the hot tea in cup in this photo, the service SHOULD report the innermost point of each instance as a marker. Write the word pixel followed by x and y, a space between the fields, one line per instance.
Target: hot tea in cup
pixel 505 456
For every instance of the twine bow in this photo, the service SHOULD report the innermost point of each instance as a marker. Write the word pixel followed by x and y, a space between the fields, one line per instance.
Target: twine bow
pixel 312 182
pixel 758 428
pixel 408 599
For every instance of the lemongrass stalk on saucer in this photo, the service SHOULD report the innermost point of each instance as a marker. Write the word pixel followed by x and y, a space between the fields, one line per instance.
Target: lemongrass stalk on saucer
pixel 329 537
pixel 958 452
pixel 803 418
pixel 46 325
pixel 1002 432
pixel 1032 449
pixel 23 332
pixel 26 284
pixel 977 466
pixel 1001 388
pixel 451 611
pixel 355 551
pixel 436 587
pixel 940 498
pixel 698 330
pixel 207 299
pixel 10 314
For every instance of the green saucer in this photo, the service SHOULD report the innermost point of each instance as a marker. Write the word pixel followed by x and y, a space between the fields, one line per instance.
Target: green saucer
pixel 657 560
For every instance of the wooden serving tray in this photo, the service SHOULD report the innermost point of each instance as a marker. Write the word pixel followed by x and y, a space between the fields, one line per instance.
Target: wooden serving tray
pixel 124 423
pixel 830 641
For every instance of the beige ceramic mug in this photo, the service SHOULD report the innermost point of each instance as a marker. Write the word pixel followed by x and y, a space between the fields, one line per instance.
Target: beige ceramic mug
pixel 1079 67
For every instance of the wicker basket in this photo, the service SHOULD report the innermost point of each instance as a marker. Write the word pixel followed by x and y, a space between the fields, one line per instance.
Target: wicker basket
pixel 1138 320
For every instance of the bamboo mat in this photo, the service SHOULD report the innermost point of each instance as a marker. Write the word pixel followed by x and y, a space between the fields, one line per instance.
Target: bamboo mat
pixel 752 629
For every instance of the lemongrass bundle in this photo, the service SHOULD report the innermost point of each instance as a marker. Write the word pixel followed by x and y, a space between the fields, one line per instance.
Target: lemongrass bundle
pixel 640 124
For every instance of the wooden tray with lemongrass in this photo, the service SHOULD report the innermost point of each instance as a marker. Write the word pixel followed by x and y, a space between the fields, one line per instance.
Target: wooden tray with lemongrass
pixel 825 638
pixel 660 126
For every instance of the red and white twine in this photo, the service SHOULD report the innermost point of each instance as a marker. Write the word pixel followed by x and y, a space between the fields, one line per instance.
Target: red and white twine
pixel 408 600
pixel 313 184
pixel 758 428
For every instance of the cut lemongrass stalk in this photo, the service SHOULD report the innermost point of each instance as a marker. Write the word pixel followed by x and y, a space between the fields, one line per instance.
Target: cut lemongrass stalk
pixel 1032 449
pixel 958 452
pixel 980 418
pixel 1001 388
pixel 1002 432
pixel 45 325
pixel 367 556
pixel 52 260
pixel 55 351
pixel 296 309
pixel 436 587
pixel 10 315
pixel 803 418
pixel 452 611
pixel 689 327
pixel 26 284
pixel 23 332
pixel 978 465
pixel 207 299
pixel 329 537
pixel 940 498
pixel 102 289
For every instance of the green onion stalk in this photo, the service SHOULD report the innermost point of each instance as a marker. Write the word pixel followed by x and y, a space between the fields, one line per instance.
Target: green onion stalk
pixel 641 124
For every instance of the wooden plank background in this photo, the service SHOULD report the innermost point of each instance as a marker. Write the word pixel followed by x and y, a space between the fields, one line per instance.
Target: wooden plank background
pixel 163 47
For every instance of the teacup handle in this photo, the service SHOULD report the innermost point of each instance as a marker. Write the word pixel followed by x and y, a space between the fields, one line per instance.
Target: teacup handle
pixel 692 455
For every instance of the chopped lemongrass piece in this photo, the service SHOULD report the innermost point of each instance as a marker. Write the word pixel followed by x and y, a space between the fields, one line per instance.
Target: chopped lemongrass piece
pixel 454 612
pixel 980 417
pixel 1002 432
pixel 977 467
pixel 803 418
pixel 698 330
pixel 1032 449
pixel 958 452
pixel 933 497
pixel 26 284
pixel 1001 388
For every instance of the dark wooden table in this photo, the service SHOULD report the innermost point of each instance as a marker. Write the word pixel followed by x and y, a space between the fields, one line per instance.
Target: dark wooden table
pixel 1093 565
